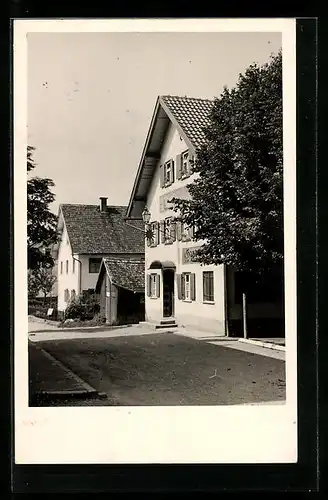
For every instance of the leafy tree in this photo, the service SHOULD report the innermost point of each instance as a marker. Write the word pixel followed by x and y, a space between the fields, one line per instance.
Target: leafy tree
pixel 41 279
pixel 236 201
pixel 33 285
pixel 41 222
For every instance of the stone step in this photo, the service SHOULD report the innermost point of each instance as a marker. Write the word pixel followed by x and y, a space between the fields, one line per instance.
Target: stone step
pixel 166 325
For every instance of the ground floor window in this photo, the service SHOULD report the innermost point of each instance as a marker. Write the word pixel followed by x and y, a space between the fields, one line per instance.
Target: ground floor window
pixel 66 295
pixel 153 285
pixel 208 286
pixel 186 286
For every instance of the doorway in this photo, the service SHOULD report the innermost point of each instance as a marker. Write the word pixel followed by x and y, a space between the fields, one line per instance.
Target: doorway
pixel 168 293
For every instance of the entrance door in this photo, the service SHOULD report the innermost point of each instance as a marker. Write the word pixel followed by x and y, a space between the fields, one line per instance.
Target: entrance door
pixel 168 293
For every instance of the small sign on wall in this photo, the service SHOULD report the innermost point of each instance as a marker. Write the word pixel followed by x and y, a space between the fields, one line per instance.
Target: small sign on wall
pixel 50 311
pixel 189 255
pixel 107 294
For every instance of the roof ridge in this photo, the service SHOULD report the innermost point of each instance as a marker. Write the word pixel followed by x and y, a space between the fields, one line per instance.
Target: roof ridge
pixel 188 97
pixel 88 205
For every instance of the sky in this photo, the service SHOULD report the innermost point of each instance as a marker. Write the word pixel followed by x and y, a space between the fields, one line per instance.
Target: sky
pixel 91 97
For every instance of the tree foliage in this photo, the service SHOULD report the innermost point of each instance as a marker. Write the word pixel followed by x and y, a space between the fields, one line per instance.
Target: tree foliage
pixel 42 280
pixel 41 222
pixel 236 201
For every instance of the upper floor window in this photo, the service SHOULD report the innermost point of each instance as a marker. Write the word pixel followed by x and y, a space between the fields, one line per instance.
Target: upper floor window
pixel 61 267
pixel 167 173
pixel 67 267
pixel 73 270
pixel 94 264
pixel 167 229
pixel 184 165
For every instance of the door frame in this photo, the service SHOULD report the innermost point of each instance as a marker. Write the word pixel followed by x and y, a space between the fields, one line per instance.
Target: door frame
pixel 171 272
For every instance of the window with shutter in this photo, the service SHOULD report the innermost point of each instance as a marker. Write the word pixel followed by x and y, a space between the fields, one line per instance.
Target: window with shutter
pixel 167 230
pixel 168 173
pixel 185 164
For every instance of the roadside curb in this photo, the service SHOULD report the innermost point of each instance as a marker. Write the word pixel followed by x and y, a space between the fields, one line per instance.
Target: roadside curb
pixel 81 328
pixel 86 391
pixel 268 345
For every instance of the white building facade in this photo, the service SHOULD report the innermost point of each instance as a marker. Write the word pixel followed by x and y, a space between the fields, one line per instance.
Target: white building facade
pixel 177 287
pixel 89 233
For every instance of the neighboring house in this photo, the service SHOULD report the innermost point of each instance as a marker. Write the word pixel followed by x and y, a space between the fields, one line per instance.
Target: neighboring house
pixel 87 234
pixel 178 288
pixel 121 286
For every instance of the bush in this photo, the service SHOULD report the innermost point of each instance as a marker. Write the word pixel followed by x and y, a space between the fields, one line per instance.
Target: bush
pixel 82 309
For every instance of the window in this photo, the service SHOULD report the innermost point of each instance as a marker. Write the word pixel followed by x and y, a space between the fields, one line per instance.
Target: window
pixel 186 232
pixel 67 267
pixel 73 294
pixel 168 173
pixel 73 266
pixel 167 229
pixel 61 267
pixel 153 283
pixel 154 234
pixel 208 286
pixel 185 164
pixel 186 287
pixel 94 265
pixel 66 295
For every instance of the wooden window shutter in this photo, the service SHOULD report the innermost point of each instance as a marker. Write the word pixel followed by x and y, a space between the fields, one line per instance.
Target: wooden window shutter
pixel 158 278
pixel 183 295
pixel 162 231
pixel 156 234
pixel 191 164
pixel 148 227
pixel 172 175
pixel 179 286
pixel 173 235
pixel 148 281
pixel 178 166
pixel 193 286
pixel 179 230
pixel 161 175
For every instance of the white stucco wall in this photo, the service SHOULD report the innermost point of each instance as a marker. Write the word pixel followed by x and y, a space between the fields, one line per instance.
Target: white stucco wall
pixel 65 280
pixel 89 280
pixel 208 317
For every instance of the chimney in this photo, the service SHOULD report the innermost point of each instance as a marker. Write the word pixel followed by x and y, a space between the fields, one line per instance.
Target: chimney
pixel 103 204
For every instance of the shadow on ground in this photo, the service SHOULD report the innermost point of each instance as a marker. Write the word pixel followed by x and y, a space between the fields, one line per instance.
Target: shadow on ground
pixel 167 369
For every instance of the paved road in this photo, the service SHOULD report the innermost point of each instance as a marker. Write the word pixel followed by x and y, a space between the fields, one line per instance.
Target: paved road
pixel 169 369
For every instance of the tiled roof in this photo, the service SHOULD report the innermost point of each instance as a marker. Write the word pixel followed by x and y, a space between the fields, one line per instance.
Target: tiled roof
pixel 128 274
pixel 93 232
pixel 191 114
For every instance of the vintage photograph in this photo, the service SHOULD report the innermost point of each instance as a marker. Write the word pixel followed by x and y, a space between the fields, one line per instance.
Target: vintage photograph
pixel 155 219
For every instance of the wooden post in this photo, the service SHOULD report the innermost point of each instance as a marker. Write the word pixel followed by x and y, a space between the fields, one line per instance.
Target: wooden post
pixel 244 316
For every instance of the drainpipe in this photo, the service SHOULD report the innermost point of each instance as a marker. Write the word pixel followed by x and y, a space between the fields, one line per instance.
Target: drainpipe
pixel 80 275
